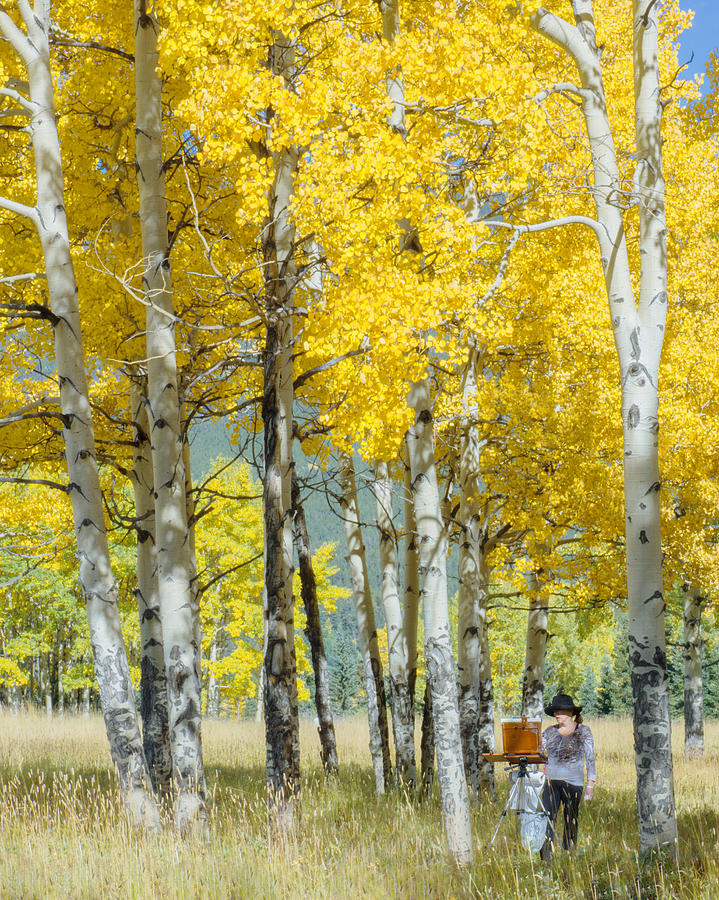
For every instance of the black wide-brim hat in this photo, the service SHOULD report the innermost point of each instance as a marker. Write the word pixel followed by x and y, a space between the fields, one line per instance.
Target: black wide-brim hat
pixel 562 702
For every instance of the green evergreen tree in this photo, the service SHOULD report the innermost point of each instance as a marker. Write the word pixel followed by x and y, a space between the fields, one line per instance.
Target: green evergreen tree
pixel 589 694
pixel 615 685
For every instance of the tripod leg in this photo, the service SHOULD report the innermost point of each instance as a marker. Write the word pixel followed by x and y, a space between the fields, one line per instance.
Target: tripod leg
pixel 513 794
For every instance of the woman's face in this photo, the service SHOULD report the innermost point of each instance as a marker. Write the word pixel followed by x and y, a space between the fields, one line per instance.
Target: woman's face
pixel 563 716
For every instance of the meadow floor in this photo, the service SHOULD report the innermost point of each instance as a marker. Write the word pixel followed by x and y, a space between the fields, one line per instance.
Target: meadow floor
pixel 62 834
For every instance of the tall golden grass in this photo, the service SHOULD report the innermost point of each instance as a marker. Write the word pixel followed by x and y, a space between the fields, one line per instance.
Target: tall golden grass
pixel 62 833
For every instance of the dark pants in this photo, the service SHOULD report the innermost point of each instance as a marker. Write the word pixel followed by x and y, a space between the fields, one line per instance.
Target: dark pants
pixel 554 795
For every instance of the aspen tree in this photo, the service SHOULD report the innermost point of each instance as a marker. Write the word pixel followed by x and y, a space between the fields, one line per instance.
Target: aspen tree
pixel 427 745
pixel 171 528
pixel 366 629
pixel 410 616
pixel 693 687
pixel 536 651
pixel 473 660
pixel 98 586
pixel 468 614
pixel 438 652
pixel 153 681
pixel 402 719
pixel 280 676
pixel 638 326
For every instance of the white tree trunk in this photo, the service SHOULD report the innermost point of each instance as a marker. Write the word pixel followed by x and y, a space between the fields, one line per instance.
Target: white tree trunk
pixel 400 701
pixel 693 685
pixel 260 708
pixel 280 676
pixel 98 586
pixel 153 682
pixel 395 82
pixel 437 641
pixel 366 629
pixel 410 610
pixel 535 653
pixel 178 626
pixel 476 693
pixel 638 333
pixel 472 599
pixel 427 747
pixel 642 481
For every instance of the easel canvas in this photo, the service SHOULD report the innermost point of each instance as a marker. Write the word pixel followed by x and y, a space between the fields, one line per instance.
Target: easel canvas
pixel 521 736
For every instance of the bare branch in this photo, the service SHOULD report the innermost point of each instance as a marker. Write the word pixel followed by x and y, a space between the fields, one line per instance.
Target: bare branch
pixel 26 276
pixel 596 227
pixel 16 479
pixel 59 40
pixel 310 373
pixel 20 209
pixel 229 571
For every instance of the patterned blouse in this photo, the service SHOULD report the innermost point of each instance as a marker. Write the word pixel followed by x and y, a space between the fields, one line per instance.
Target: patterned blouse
pixel 567 755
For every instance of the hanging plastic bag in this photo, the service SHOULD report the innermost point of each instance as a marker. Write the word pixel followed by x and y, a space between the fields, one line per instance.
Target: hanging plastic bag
pixel 532 830
pixel 532 817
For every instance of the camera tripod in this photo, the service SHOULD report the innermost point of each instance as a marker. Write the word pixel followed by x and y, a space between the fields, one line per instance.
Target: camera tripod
pixel 524 797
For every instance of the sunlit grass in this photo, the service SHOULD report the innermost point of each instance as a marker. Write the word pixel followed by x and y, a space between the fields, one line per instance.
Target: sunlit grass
pixel 62 833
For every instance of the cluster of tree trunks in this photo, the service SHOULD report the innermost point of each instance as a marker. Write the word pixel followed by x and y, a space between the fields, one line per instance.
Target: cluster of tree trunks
pixel 167 759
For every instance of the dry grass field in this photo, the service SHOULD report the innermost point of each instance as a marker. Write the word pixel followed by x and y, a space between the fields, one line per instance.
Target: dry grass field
pixel 62 834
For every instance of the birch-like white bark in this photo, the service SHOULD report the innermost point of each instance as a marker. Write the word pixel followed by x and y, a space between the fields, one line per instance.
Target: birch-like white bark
pixel 400 700
pixel 476 694
pixel 260 694
pixel 366 629
pixel 486 685
pixel 427 746
pixel 280 676
pixel 410 611
pixel 535 652
pixel 468 612
pixel 642 480
pixel 395 82
pixel 410 620
pixel 178 625
pixel 153 682
pixel 117 695
pixel 638 334
pixel 693 683
pixel 438 653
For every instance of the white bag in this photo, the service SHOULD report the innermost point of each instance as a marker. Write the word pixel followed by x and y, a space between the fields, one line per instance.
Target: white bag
pixel 532 818
pixel 533 829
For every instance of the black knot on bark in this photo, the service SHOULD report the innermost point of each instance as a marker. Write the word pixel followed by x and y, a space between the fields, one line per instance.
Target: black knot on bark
pixel 178 674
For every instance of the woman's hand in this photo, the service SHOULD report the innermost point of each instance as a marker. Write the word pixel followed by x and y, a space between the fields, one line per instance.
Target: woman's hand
pixel 589 790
